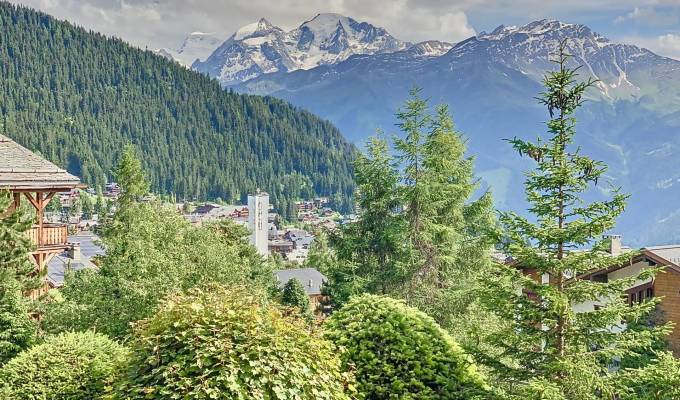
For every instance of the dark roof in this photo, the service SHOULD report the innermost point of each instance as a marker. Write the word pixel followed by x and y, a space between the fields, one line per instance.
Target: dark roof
pixel 56 268
pixel 21 169
pixel 311 279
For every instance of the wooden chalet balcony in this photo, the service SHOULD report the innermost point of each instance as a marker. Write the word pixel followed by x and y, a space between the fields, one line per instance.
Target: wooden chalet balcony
pixel 52 235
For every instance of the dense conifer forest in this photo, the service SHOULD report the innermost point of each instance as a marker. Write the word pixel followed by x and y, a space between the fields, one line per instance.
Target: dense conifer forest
pixel 77 97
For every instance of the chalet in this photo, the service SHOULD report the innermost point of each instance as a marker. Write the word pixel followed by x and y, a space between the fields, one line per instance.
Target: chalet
pixel 81 256
pixel 312 280
pixel 30 177
pixel 665 284
pixel 281 246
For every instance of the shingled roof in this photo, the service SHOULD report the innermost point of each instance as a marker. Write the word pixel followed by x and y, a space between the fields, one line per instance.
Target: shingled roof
pixel 21 169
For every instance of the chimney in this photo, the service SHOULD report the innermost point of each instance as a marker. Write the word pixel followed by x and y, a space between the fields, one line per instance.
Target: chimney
pixel 614 245
pixel 74 252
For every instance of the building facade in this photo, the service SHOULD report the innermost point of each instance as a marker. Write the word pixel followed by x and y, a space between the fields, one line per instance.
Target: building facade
pixel 29 177
pixel 258 224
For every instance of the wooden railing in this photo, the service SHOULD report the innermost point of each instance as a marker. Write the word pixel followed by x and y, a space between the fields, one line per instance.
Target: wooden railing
pixel 52 235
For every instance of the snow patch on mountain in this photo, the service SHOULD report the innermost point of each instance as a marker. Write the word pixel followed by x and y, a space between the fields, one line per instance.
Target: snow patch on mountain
pixel 196 46
pixel 262 48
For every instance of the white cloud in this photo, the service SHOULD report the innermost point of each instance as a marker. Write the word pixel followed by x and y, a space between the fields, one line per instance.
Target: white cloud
pixel 669 44
pixel 649 16
pixel 165 23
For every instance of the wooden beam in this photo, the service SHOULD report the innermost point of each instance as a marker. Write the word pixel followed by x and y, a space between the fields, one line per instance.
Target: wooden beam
pixel 32 200
pixel 49 197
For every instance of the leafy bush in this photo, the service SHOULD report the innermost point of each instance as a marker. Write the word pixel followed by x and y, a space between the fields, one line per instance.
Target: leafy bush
pixel 151 252
pixel 70 366
pixel 400 352
pixel 228 344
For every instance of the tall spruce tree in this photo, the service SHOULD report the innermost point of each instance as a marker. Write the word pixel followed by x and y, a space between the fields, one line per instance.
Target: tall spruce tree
pixel 549 351
pixel 131 178
pixel 17 330
pixel 367 252
pixel 419 230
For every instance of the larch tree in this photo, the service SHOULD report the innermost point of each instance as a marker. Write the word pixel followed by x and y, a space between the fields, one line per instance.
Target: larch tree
pixel 420 229
pixel 547 350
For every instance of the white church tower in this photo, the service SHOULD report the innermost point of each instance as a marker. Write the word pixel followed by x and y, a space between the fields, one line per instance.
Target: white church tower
pixel 258 212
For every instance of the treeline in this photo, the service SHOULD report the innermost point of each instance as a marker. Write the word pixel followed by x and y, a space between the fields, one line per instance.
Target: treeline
pixel 77 97
pixel 419 306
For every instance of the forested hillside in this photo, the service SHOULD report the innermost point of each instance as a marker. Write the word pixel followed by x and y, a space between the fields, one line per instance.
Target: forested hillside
pixel 77 97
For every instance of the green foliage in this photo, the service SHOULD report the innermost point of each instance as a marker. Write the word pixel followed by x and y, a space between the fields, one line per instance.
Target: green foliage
pixel 17 330
pixel 399 352
pixel 659 381
pixel 547 349
pixel 79 97
pixel 130 176
pixel 294 296
pixel 15 246
pixel 420 233
pixel 74 366
pixel 228 344
pixel 151 251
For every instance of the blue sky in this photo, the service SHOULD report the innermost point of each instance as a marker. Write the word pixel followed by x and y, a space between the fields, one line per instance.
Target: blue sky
pixel 654 24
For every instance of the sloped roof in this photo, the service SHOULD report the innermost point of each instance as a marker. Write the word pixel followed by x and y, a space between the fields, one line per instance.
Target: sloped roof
pixel 21 169
pixel 311 279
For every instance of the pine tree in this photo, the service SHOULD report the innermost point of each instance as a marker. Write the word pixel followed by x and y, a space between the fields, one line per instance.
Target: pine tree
pixel 131 178
pixel 294 296
pixel 17 330
pixel 368 251
pixel 99 205
pixel 447 228
pixel 87 205
pixel 548 351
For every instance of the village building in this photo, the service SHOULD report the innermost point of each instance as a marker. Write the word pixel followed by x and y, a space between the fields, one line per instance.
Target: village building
pixel 31 178
pixel 665 284
pixel 212 212
pixel 312 280
pixel 258 221
pixel 82 255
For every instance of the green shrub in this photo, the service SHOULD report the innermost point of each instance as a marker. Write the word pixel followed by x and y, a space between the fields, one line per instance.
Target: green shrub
pixel 228 344
pixel 71 366
pixel 399 352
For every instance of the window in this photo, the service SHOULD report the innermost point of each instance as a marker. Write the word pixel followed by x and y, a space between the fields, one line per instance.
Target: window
pixel 633 298
pixel 641 296
pixel 650 292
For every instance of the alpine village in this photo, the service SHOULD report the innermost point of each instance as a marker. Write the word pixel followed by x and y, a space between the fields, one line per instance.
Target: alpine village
pixel 224 221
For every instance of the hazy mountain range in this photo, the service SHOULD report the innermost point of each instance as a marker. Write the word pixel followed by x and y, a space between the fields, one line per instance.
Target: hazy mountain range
pixel 357 75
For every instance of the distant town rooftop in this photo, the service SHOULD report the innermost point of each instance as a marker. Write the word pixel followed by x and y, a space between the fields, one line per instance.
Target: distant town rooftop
pixel 311 279
pixel 23 170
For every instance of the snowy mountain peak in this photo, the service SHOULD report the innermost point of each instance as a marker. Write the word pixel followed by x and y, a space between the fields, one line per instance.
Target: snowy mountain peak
pixel 262 48
pixel 430 48
pixel 255 29
pixel 196 46
pixel 545 28
pixel 530 48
